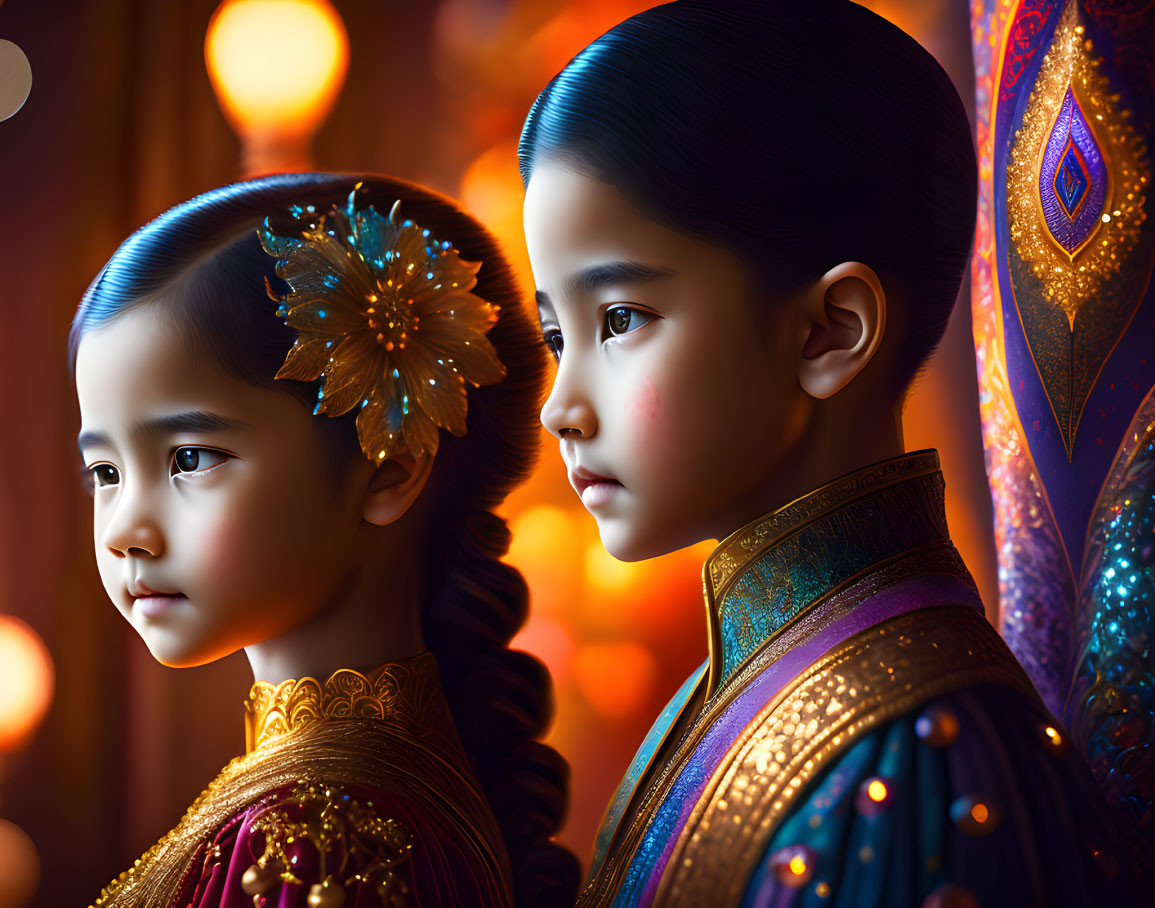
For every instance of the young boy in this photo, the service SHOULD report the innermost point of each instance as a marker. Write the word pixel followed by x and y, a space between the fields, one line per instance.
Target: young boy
pixel 748 224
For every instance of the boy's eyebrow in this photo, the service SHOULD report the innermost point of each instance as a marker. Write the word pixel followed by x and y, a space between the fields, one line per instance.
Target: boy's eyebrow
pixel 596 277
pixel 189 421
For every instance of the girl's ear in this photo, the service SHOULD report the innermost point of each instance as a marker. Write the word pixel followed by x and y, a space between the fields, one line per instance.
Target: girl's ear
pixel 394 486
pixel 845 320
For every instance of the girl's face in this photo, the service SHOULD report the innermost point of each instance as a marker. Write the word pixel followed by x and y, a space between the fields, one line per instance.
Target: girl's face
pixel 676 399
pixel 218 520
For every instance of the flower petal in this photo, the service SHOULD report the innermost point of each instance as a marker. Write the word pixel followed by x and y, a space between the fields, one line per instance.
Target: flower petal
pixel 306 360
pixel 379 429
pixel 350 375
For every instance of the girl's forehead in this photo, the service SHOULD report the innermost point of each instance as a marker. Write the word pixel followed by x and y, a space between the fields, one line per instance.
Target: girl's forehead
pixel 140 364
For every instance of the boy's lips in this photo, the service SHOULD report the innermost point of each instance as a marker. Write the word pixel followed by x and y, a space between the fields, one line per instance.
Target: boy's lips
pixel 139 590
pixel 593 488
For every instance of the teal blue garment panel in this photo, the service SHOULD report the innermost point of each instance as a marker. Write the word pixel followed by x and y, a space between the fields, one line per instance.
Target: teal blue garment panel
pixel 809 564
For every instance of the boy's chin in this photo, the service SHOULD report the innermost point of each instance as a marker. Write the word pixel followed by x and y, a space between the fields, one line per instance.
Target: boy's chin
pixel 626 544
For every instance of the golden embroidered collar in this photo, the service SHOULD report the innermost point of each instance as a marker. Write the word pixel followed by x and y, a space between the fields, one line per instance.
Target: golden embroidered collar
pixel 767 574
pixel 394 692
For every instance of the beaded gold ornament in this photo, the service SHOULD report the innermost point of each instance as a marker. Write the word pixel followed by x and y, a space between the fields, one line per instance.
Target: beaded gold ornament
pixel 385 319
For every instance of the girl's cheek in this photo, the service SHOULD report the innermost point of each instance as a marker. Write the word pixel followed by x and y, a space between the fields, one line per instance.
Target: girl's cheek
pixel 223 550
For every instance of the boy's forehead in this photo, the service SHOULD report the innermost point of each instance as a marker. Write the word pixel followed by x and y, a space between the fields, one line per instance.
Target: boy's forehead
pixel 575 221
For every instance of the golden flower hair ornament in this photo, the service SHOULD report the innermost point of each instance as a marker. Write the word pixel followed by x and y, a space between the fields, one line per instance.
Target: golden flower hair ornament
pixel 385 318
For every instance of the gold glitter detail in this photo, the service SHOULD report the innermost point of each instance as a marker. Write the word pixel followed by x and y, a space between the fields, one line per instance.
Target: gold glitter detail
pixel 1069 280
pixel 875 676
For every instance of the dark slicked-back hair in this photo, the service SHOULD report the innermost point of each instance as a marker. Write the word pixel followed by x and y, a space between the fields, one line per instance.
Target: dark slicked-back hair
pixel 202 262
pixel 798 135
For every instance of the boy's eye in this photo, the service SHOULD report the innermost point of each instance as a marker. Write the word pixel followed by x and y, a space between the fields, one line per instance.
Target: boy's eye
pixel 196 460
pixel 104 474
pixel 623 319
pixel 554 343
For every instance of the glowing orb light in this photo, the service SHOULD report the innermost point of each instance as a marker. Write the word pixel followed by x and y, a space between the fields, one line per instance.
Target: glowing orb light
pixel 26 680
pixel 19 866
pixel 276 66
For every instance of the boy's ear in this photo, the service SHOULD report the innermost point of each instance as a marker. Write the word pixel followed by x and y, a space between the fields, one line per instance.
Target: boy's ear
pixel 394 486
pixel 845 319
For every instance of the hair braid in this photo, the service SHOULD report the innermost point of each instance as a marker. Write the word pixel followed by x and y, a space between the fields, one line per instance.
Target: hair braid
pixel 502 701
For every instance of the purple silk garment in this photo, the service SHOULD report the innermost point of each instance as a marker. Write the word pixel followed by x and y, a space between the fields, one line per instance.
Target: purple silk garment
pixel 436 872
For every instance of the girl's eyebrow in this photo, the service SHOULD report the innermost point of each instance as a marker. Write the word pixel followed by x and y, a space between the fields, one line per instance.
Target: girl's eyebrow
pixel 189 421
pixel 594 278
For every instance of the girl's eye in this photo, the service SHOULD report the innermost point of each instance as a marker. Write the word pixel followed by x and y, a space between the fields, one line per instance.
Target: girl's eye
pixel 196 460
pixel 554 343
pixel 623 319
pixel 104 474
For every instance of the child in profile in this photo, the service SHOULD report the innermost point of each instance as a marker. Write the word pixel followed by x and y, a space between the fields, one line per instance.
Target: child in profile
pixel 302 398
pixel 748 223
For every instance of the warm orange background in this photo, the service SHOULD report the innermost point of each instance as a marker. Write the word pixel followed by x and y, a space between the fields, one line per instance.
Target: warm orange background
pixel 120 125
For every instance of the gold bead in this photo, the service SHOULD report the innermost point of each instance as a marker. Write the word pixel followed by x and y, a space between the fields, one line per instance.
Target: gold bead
pixel 329 894
pixel 258 879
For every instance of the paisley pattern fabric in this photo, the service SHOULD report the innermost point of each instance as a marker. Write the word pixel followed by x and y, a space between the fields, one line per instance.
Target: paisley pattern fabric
pixel 1063 311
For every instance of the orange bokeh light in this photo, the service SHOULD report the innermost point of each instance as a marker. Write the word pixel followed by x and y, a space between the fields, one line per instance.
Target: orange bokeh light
pixel 876 791
pixel 26 680
pixel 276 65
pixel 551 642
pixel 616 679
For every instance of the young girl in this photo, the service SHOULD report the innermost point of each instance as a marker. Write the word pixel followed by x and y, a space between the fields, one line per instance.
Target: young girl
pixel 263 374
pixel 748 223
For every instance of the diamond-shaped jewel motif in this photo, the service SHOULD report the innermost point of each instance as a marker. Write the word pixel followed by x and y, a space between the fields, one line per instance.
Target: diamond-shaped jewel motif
pixel 1072 177
pixel 1071 180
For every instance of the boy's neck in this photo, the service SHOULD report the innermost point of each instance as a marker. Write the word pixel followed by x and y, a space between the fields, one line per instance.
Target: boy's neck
pixel 831 447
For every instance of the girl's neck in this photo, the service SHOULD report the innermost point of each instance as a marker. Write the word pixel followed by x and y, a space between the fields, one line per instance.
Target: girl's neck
pixel 373 620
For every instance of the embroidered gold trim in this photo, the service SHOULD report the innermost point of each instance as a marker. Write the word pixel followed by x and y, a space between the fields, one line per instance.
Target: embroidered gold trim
pixel 874 677
pixel 275 710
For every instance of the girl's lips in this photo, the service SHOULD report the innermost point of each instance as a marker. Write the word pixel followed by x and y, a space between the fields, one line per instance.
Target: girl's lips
pixel 156 604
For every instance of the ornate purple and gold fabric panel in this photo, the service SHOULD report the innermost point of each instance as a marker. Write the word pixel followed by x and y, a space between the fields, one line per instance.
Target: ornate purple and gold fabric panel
pixel 1064 322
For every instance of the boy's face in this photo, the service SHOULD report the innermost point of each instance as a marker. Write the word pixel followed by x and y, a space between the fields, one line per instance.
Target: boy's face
pixel 676 399
pixel 218 521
